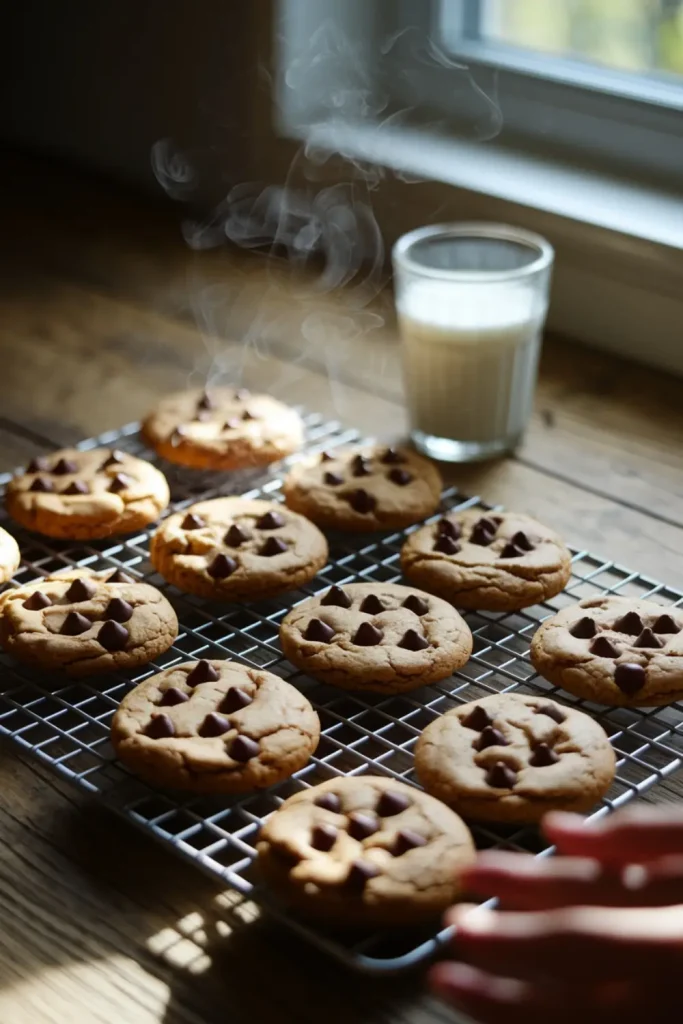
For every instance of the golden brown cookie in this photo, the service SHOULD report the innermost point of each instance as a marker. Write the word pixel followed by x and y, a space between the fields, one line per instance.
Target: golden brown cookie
pixel 215 727
pixel 234 549
pixel 365 851
pixel 614 650
pixel 83 495
pixel 513 757
pixel 498 561
pixel 85 623
pixel 368 488
pixel 10 557
pixel 223 428
pixel 376 636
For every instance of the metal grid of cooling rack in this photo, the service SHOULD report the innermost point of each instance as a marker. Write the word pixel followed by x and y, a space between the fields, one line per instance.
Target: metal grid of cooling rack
pixel 66 724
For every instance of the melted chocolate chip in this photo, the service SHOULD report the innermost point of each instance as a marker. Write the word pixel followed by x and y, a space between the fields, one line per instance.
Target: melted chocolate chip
pixel 413 641
pixel 113 636
pixel 246 415
pixel 37 600
pixel 665 624
pixel 604 648
pixel 77 487
pixel 367 635
pixel 478 719
pixel 630 678
pixel 65 466
pixel 234 700
pixel 333 479
pixel 120 577
pixel 81 590
pixel 214 725
pixel 584 629
pixel 483 533
pixel 324 837
pixel 552 711
pixel 391 803
pixel 120 482
pixel 115 459
pixel 391 457
pixel 42 485
pixel 273 546
pixel 243 748
pixel 38 465
pixel 521 541
pixel 446 545
pixel 236 536
pixel 173 696
pixel 360 874
pixel 500 776
pixel 362 825
pixel 360 466
pixel 401 477
pixel 448 528
pixel 221 567
pixel 648 639
pixel 631 623
pixel 205 401
pixel 203 672
pixel 160 728
pixel 416 604
pixel 270 521
pixel 75 624
pixel 192 522
pixel 119 610
pixel 329 802
pixel 372 605
pixel 543 756
pixel 335 596
pixel 406 840
pixel 361 502
pixel 512 551
pixel 490 737
pixel 319 632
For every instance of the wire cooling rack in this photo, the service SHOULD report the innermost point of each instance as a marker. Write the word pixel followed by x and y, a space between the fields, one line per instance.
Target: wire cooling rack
pixel 66 724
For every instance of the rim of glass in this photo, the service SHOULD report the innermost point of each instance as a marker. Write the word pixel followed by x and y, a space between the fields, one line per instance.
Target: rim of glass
pixel 474 229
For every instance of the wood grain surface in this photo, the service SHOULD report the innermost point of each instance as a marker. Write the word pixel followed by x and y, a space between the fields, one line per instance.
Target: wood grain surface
pixel 103 308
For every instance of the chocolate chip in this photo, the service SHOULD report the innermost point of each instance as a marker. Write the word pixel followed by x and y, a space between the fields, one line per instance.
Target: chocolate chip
pixel 324 837
pixel 325 457
pixel 512 551
pixel 120 482
pixel 205 402
pixel 478 719
pixel 630 678
pixel 243 748
pixel 604 648
pixel 391 457
pixel 273 546
pixel 203 672
pixel 192 522
pixel 483 533
pixel 367 635
pixel 81 590
pixel 234 700
pixel 336 596
pixel 120 577
pixel 648 639
pixel 236 536
pixel 214 725
pixel 75 624
pixel 552 711
pixel 77 487
pixel 362 502
pixel 630 623
pixel 115 458
pixel 362 825
pixel 447 528
pixel 37 600
pixel 372 605
pixel 416 604
pixel 40 484
pixel 489 523
pixel 160 728
pixel 329 802
pixel 360 874
pixel 360 466
pixel 584 629
pixel 319 631
pixel 65 466
pixel 401 477
pixel 113 636
pixel 500 776
pixel 173 696
pixel 521 541
pixel 406 840
pixel 413 641
pixel 270 521
pixel 38 465
pixel 543 756
pixel 665 624
pixel 391 803
pixel 119 610
pixel 490 737
pixel 221 567
pixel 333 479
pixel 246 415
pixel 446 545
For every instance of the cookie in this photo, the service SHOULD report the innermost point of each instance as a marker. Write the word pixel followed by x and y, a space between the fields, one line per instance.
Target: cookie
pixel 370 488
pixel 376 636
pixel 84 623
pixel 10 558
pixel 215 727
pixel 365 850
pixel 235 549
pixel 614 650
pixel 497 561
pixel 513 758
pixel 223 428
pixel 83 495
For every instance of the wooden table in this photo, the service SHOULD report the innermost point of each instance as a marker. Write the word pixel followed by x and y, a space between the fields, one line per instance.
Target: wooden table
pixel 103 309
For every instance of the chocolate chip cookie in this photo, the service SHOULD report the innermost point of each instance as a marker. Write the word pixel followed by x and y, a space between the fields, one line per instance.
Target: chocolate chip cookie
pixel 513 758
pixel 497 561
pixel 83 495
pixel 10 558
pixel 614 650
pixel 222 428
pixel 376 636
pixel 215 727
pixel 365 851
pixel 234 549
pixel 85 623
pixel 371 488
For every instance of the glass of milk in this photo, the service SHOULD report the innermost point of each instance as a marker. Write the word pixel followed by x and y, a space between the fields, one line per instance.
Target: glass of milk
pixel 472 301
